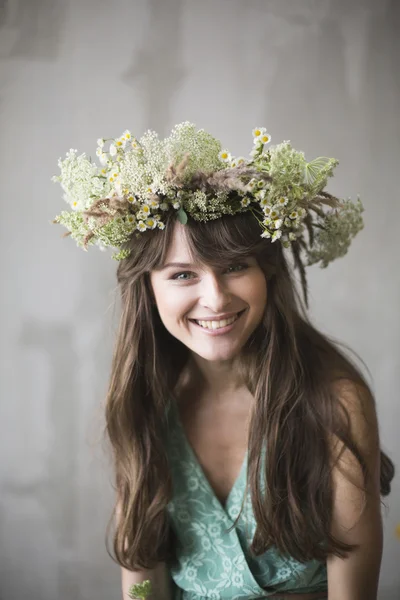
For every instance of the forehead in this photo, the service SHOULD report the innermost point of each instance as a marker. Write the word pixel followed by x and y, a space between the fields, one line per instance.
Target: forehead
pixel 179 248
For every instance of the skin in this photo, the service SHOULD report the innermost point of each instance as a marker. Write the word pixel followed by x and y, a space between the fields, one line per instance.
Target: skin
pixel 199 292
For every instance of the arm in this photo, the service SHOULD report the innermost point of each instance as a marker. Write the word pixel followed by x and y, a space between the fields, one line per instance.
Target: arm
pixel 357 577
pixel 160 578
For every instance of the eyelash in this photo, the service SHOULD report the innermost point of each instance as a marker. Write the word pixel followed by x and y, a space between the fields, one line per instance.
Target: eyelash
pixel 176 275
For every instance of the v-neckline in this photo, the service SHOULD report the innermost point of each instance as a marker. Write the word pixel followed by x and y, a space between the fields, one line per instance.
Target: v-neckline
pixel 200 469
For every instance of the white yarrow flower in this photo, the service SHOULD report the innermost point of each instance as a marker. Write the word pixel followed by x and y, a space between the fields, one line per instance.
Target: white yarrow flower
pixel 276 235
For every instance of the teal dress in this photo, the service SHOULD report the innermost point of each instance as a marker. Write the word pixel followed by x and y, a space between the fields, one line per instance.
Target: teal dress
pixel 212 562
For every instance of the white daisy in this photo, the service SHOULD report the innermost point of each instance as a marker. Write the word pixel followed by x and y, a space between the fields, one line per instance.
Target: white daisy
pixel 265 138
pixel 160 225
pixel 225 156
pixel 278 223
pixel 245 201
pixel 266 234
pixel 151 223
pixel 258 132
pixel 141 226
pixel 145 209
pixel 282 201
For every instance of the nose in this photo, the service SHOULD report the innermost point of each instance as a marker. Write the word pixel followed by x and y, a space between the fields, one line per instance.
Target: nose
pixel 215 295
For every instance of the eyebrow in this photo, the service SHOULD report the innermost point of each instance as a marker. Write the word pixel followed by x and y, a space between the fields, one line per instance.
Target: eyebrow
pixel 179 265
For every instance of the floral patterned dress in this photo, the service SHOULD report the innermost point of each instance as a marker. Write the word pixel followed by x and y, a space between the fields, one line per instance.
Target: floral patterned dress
pixel 213 562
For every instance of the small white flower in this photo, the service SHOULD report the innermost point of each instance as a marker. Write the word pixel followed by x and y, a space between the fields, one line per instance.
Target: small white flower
pixel 274 214
pixel 292 236
pixel 276 235
pixel 265 138
pixel 164 206
pixel 160 225
pixel 112 177
pixel 176 205
pixel 258 132
pixel 245 201
pixel 151 223
pixel 101 142
pixel 282 201
pixel 265 234
pixel 130 219
pixel 293 214
pixel 278 223
pixel 103 158
pixel 120 143
pixel 153 203
pixel 113 150
pixel 127 134
pixel 141 226
pixel 225 156
pixel 145 209
pixel 267 210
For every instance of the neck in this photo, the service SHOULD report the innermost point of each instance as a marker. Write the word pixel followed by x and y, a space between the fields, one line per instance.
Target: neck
pixel 216 380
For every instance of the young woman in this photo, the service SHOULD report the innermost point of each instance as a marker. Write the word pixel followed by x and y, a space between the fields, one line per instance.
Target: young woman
pixel 245 442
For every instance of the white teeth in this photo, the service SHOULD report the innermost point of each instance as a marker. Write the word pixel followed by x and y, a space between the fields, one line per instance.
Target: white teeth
pixel 216 324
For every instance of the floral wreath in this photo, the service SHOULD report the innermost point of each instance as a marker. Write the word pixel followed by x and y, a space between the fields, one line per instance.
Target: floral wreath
pixel 139 180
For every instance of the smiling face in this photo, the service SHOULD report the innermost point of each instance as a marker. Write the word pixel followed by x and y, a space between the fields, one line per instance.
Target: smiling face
pixel 229 302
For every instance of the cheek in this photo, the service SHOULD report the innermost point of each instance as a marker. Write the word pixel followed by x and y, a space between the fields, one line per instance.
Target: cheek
pixel 171 305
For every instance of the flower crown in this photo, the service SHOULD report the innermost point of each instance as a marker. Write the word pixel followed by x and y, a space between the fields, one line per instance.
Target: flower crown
pixel 140 180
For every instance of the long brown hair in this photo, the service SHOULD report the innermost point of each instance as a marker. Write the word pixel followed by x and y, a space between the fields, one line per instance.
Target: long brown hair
pixel 289 368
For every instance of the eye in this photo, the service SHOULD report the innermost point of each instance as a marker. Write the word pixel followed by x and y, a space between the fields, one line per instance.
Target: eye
pixel 178 276
pixel 242 267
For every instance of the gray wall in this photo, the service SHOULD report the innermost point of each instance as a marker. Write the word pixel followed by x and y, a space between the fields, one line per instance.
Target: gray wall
pixel 322 73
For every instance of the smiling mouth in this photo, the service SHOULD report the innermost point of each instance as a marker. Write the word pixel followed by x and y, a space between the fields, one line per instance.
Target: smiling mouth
pixel 214 325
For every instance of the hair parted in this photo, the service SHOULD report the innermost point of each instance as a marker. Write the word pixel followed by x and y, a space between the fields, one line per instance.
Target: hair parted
pixel 290 368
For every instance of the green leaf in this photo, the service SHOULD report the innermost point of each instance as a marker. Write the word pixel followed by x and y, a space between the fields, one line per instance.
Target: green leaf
pixel 140 590
pixel 182 216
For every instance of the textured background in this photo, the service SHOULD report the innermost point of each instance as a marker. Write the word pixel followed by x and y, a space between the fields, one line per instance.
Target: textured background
pixel 322 73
